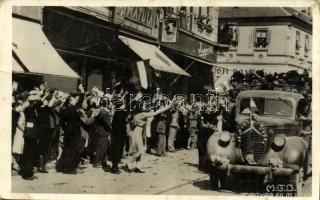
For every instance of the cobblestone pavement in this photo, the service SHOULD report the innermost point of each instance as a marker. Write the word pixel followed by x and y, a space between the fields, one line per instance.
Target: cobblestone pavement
pixel 175 174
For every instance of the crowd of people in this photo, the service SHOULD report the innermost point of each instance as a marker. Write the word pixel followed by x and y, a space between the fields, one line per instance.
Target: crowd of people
pixel 52 125
pixel 289 81
pixel 69 128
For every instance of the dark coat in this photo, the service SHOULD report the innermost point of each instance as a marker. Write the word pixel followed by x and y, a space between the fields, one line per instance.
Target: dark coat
pixel 32 120
pixel 119 123
pixel 103 123
pixel 71 121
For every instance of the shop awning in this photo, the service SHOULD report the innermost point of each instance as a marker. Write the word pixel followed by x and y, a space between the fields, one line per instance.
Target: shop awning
pixel 158 60
pixel 35 51
pixel 16 67
pixel 193 58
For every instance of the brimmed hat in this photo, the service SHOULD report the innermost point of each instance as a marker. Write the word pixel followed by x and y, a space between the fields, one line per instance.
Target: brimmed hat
pixel 22 96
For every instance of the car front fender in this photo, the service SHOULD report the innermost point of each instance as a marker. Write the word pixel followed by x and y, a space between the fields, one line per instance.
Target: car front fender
pixel 291 155
pixel 229 151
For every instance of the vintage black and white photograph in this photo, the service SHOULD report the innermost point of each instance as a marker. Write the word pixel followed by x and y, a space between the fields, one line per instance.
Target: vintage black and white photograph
pixel 211 101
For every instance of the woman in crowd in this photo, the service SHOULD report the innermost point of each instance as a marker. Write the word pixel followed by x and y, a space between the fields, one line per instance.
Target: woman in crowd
pixel 102 133
pixel 138 121
pixel 192 129
pixel 161 131
pixel 174 127
pixel 18 141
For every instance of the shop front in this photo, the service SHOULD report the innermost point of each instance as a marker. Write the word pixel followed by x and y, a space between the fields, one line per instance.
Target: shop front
pixel 196 57
pixel 105 51
pixel 157 67
pixel 90 46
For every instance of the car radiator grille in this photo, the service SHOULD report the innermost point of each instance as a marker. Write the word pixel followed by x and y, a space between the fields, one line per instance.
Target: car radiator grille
pixel 253 146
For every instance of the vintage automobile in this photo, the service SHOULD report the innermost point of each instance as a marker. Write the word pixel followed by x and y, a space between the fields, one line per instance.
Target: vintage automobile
pixel 269 141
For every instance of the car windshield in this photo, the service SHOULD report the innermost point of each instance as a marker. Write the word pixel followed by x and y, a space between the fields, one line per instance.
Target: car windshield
pixel 263 106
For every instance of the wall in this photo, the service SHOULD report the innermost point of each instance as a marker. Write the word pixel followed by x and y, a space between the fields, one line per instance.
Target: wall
pixel 280 50
pixel 299 57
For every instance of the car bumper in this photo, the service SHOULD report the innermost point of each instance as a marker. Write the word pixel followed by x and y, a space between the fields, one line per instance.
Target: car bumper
pixel 231 168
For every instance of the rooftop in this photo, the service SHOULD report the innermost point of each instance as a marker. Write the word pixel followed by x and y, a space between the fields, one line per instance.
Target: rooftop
pixel 266 12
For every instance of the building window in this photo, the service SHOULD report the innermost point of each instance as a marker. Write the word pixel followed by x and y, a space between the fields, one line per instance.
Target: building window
pixel 307 43
pixel 262 38
pixel 185 18
pixel 235 38
pixel 298 44
pixel 203 20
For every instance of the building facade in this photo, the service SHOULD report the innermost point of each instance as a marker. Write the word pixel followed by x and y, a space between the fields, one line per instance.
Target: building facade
pixel 98 43
pixel 269 39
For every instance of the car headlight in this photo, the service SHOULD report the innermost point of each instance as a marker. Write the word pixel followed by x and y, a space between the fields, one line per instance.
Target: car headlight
pixel 224 139
pixel 278 142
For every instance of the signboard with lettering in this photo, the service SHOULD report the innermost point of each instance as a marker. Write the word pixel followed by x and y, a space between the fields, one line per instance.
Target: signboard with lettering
pixel 193 47
pixel 104 13
pixel 144 20
pixel 223 72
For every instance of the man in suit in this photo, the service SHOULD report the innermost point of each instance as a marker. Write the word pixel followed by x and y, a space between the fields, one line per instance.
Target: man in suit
pixel 31 136
pixel 119 129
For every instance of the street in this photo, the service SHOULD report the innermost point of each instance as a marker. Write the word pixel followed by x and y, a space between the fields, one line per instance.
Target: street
pixel 176 174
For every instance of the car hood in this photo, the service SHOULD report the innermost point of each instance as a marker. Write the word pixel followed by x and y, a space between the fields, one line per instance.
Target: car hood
pixel 268 120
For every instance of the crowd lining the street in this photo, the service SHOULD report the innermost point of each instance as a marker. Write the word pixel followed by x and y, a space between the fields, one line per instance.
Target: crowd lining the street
pixel 51 125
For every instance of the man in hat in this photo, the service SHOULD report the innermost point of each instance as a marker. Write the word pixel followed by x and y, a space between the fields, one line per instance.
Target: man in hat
pixel 31 134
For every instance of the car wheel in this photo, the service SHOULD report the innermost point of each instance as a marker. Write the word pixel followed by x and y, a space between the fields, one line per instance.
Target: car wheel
pixel 297 182
pixel 216 181
pixel 307 165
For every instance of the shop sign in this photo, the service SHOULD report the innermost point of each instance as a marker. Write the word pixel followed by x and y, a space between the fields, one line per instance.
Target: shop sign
pixel 104 13
pixel 169 30
pixel 140 19
pixel 247 69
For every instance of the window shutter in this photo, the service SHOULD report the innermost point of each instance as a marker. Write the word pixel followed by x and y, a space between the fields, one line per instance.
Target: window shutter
pixel 252 38
pixel 268 37
pixel 307 43
pixel 234 34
